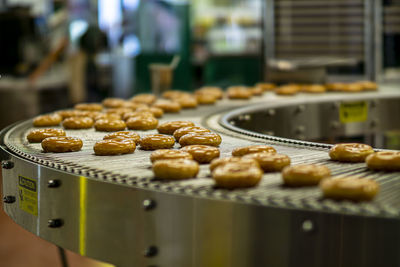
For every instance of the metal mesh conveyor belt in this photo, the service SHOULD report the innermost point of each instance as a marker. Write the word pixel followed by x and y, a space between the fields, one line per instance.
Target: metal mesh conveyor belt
pixel 135 169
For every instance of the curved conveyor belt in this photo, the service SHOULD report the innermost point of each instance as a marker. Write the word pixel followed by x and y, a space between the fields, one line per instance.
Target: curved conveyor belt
pixel 112 208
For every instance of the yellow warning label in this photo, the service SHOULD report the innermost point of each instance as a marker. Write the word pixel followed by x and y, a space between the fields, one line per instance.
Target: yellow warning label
pixel 353 111
pixel 28 195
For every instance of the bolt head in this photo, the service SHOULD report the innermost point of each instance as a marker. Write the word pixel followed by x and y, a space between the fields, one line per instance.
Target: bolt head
pixel 307 226
pixel 53 183
pixel 9 199
pixel 7 164
pixel 270 112
pixel 55 223
pixel 151 251
pixel 149 204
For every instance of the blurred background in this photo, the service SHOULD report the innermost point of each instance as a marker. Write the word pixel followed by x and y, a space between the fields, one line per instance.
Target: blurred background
pixel 55 53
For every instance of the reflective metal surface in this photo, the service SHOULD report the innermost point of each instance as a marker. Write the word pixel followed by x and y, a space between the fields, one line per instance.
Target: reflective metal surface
pixel 316 121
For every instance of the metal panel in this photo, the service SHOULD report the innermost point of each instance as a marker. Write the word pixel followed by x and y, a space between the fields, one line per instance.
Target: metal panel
pixel 109 223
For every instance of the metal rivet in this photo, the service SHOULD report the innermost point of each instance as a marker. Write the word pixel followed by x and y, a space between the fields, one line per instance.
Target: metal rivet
pixel 9 199
pixel 53 183
pixel 7 164
pixel 244 117
pixel 300 108
pixel 271 112
pixel 335 125
pixel 307 226
pixel 150 251
pixel 55 223
pixel 300 129
pixel 301 137
pixel 149 204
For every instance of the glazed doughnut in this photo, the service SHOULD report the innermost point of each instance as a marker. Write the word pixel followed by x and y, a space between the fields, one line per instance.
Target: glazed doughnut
pixel 269 162
pixel 90 114
pixel 175 169
pixel 78 123
pixel 206 99
pixel 241 151
pixel 349 188
pixel 78 113
pixel 171 126
pixel 174 94
pixel 353 88
pixel 287 90
pixel 219 162
pixel 142 114
pixel 147 99
pixel 119 111
pixel 266 86
pixel 368 85
pixel 208 139
pixel 134 106
pixel 113 102
pixel 37 136
pixel 304 175
pixel 189 129
pixel 384 161
pixel 350 152
pixel 156 141
pixel 105 125
pixel 335 86
pixel 187 102
pixel 167 106
pixel 160 154
pixel 89 106
pixel 314 88
pixel 110 116
pixel 157 112
pixel 256 91
pixel 71 113
pixel 115 146
pixel 237 175
pixel 211 90
pixel 123 134
pixel 47 120
pixel 239 92
pixel 202 153
pixel 60 144
pixel 142 123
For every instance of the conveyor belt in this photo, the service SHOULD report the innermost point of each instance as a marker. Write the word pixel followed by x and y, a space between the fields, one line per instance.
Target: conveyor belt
pixel 135 169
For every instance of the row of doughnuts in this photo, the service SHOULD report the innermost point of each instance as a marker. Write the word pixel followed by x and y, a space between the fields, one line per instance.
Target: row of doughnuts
pixel 198 139
pixel 352 87
pixel 86 115
pixel 54 140
pixel 138 113
pixel 240 166
pixel 354 152
pixel 243 169
pixel 198 145
pixel 247 164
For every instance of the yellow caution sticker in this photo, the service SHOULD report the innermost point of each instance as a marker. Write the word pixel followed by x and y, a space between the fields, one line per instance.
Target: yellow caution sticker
pixel 28 195
pixel 353 111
